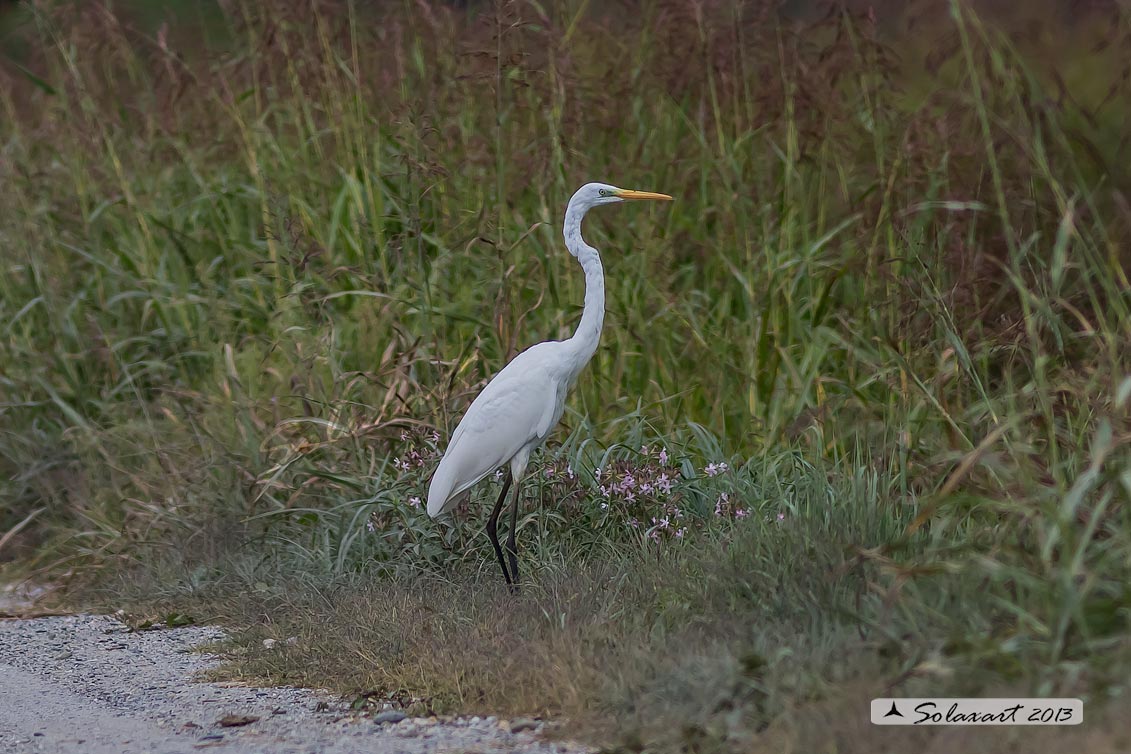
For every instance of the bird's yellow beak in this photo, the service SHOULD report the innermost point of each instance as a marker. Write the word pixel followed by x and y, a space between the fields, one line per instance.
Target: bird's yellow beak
pixel 628 195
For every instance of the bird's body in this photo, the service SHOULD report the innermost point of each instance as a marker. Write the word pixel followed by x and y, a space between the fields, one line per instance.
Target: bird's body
pixel 510 418
pixel 519 408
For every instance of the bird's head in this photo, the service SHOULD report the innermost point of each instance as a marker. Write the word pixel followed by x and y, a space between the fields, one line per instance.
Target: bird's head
pixel 594 194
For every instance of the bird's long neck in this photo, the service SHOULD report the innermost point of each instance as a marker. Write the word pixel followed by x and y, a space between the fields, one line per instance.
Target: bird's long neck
pixel 588 334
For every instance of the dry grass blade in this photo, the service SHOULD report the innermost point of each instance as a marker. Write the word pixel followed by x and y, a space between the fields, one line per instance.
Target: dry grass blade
pixel 968 462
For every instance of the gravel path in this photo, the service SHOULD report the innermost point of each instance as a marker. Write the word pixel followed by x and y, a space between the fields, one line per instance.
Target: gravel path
pixel 85 684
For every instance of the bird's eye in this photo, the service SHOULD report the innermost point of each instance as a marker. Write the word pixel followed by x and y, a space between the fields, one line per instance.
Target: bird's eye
pixel 602 192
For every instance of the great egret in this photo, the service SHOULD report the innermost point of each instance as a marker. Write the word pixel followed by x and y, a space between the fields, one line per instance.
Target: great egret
pixel 516 411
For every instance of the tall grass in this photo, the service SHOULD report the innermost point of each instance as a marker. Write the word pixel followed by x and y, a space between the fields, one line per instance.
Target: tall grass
pixel 254 258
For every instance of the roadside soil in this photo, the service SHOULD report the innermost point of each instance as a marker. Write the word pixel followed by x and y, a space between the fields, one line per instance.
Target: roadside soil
pixel 87 684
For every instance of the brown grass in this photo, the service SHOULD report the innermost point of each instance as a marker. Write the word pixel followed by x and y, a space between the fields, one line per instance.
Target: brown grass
pixel 624 661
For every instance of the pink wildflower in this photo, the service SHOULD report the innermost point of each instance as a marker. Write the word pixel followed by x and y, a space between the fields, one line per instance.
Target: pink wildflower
pixel 714 469
pixel 711 469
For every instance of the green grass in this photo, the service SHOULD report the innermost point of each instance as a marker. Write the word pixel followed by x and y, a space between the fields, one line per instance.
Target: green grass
pixel 252 260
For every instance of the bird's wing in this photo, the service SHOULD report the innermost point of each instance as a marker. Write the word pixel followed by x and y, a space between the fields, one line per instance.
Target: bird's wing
pixel 515 409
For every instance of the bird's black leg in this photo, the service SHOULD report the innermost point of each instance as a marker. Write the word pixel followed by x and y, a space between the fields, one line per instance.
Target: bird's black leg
pixel 493 525
pixel 512 548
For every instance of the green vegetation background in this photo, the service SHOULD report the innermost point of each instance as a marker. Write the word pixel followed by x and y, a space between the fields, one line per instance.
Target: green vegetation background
pixel 257 258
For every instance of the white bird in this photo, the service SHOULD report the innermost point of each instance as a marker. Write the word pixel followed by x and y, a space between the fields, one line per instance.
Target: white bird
pixel 516 411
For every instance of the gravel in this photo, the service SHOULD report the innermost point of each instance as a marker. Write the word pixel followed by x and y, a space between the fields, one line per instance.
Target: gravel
pixel 85 683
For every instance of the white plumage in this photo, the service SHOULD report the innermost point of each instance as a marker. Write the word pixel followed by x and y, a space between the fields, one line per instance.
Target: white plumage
pixel 519 407
pixel 511 417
